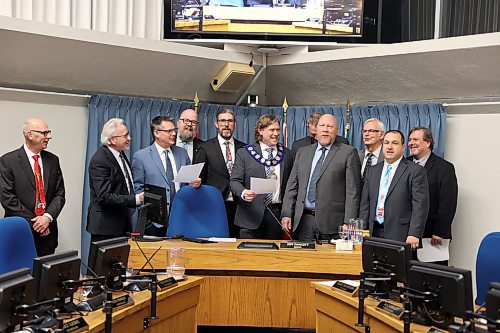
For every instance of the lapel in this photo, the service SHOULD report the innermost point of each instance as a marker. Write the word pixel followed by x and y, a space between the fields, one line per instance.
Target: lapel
pixel 177 157
pixel 333 150
pixel 26 166
pixel 261 168
pixel 430 163
pixel 397 176
pixel 153 152
pixel 46 170
pixel 112 159
pixel 220 156
pixel 309 156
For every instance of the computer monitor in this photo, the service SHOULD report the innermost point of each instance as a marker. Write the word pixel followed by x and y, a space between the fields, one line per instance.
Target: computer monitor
pixel 493 302
pixel 16 288
pixel 447 293
pixel 157 211
pixel 109 258
pixel 51 271
pixel 387 257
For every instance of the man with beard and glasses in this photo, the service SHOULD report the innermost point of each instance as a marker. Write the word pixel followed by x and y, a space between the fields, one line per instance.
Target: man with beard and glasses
pixel 186 138
pixel 219 154
pixel 258 215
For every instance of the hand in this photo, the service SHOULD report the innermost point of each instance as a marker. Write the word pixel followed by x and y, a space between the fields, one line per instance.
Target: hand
pixel 196 183
pixel 249 196
pixel 436 240
pixel 40 223
pixel 141 197
pixel 413 241
pixel 46 232
pixel 286 223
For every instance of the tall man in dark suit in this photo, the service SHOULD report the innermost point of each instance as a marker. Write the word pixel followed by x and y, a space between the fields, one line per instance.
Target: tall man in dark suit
pixel 112 198
pixel 311 139
pixel 218 154
pixel 187 129
pixel 32 185
pixel 258 215
pixel 324 188
pixel 395 197
pixel 443 187
pixel 373 133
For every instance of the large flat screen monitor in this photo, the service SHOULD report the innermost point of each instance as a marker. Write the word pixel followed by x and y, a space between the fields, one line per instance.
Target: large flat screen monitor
pixel 16 288
pixel 109 258
pixel 155 197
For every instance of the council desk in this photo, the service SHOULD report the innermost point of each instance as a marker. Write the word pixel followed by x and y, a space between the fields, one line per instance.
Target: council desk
pixel 260 288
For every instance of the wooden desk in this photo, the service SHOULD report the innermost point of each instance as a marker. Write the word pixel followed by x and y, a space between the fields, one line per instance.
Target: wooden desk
pixel 176 309
pixel 338 312
pixel 261 288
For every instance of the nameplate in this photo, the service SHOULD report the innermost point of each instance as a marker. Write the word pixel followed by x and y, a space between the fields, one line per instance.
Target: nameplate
pixel 435 330
pixel 122 301
pixel 258 246
pixel 167 283
pixel 391 309
pixel 75 325
pixel 345 287
pixel 298 245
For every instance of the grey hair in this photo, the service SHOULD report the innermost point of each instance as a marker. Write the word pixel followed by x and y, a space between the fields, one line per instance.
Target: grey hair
pixel 109 129
pixel 381 125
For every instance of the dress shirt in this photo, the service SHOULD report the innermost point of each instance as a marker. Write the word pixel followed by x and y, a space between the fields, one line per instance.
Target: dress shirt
pixel 276 194
pixel 393 171
pixel 190 148
pixel 125 168
pixel 222 145
pixel 161 152
pixel 317 155
pixel 375 156
pixel 423 160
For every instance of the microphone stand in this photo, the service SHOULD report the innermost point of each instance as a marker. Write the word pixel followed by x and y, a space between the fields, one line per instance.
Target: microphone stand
pixel 289 235
pixel 361 303
pixel 108 311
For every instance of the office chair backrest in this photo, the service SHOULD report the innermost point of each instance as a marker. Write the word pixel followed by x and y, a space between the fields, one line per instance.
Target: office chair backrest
pixel 198 213
pixel 17 247
pixel 487 265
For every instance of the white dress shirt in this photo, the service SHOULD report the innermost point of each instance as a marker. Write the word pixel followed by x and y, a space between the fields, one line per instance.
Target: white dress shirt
pixel 222 145
pixel 375 156
pixel 125 168
pixel 276 194
pixel 161 152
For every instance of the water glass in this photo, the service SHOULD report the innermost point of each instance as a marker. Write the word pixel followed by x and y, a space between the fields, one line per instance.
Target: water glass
pixel 176 262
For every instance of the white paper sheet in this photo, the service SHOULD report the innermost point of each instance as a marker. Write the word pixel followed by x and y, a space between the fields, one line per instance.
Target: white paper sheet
pixel 429 252
pixel 188 173
pixel 222 240
pixel 263 185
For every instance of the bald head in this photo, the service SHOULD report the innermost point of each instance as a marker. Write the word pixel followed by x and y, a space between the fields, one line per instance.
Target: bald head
pixel 188 125
pixel 326 129
pixel 36 134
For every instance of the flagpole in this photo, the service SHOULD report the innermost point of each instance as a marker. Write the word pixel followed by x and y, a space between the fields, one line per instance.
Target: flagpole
pixel 196 104
pixel 347 127
pixel 285 136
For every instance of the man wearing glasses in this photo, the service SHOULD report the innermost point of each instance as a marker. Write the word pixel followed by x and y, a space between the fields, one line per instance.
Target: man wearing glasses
pixel 32 185
pixel 218 154
pixel 112 198
pixel 373 134
pixel 188 128
pixel 159 163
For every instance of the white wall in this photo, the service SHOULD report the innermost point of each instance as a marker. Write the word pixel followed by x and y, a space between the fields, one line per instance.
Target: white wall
pixel 67 117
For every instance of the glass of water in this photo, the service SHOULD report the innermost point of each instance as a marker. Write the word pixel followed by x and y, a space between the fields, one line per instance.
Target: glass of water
pixel 87 289
pixel 176 263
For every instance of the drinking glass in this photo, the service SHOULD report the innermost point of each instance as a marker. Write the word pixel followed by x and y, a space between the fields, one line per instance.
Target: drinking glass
pixel 176 262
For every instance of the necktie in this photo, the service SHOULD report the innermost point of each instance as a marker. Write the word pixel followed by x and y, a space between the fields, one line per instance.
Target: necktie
pixel 311 192
pixel 269 171
pixel 229 158
pixel 368 163
pixel 185 145
pixel 382 194
pixel 170 174
pixel 40 202
pixel 127 175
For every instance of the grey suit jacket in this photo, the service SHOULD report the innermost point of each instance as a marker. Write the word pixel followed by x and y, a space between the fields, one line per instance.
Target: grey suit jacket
pixel 338 190
pixel 406 204
pixel 362 156
pixel 249 214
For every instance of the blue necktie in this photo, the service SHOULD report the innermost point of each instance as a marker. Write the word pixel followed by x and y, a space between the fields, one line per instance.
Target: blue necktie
pixel 382 194
pixel 170 175
pixel 269 171
pixel 311 192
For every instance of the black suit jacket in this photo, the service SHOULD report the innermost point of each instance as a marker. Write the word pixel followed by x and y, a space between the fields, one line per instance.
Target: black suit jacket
pixel 307 141
pixel 443 193
pixel 215 171
pixel 196 148
pixel 111 205
pixel 17 189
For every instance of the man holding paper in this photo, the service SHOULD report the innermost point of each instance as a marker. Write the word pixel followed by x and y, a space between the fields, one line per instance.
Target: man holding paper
pixel 159 163
pixel 258 214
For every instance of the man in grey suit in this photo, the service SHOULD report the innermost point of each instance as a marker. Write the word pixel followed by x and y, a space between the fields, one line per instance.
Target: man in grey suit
pixel 159 163
pixel 395 197
pixel 258 215
pixel 373 133
pixel 324 188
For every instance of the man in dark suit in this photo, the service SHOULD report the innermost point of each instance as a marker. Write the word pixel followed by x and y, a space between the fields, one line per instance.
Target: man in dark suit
pixel 373 134
pixel 258 215
pixel 312 121
pixel 395 197
pixel 218 154
pixel 112 198
pixel 158 165
pixel 324 188
pixel 32 185
pixel 443 187
pixel 188 128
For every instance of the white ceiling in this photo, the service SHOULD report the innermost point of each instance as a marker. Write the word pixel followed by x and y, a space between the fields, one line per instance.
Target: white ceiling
pixel 47 57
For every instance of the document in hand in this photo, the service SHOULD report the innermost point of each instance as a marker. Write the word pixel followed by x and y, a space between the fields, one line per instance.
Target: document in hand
pixel 263 185
pixel 188 173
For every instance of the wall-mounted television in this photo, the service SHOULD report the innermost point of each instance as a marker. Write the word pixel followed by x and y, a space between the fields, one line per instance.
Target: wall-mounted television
pixel 285 20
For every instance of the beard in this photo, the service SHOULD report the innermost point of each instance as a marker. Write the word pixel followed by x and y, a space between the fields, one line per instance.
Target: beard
pixel 187 135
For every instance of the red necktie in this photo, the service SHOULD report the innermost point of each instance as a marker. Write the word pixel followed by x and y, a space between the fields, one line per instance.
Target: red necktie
pixel 39 189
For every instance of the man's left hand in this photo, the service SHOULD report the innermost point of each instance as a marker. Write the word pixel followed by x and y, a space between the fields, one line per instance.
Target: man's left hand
pixel 40 223
pixel 436 240
pixel 413 241
pixel 196 183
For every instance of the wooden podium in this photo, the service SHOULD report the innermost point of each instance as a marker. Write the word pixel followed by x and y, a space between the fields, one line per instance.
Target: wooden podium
pixel 260 288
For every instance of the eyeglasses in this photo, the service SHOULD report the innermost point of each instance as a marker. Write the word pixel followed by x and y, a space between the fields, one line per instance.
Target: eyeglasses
pixel 168 131
pixel 44 133
pixel 371 131
pixel 189 122
pixel 226 121
pixel 329 127
pixel 126 135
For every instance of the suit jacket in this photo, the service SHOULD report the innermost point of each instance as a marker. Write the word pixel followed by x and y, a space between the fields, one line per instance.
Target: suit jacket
pixel 307 141
pixel 111 205
pixel 196 147
pixel 338 189
pixel 362 156
pixel 17 189
pixel 249 214
pixel 406 204
pixel 443 193
pixel 148 169
pixel 215 171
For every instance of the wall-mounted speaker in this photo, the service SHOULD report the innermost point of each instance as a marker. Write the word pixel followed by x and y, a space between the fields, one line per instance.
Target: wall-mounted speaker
pixel 232 77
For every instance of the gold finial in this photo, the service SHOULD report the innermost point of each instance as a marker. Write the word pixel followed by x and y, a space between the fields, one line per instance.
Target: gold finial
pixel 196 101
pixel 285 105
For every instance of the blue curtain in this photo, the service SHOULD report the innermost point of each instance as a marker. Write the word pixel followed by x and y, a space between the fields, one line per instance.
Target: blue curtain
pixel 138 112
